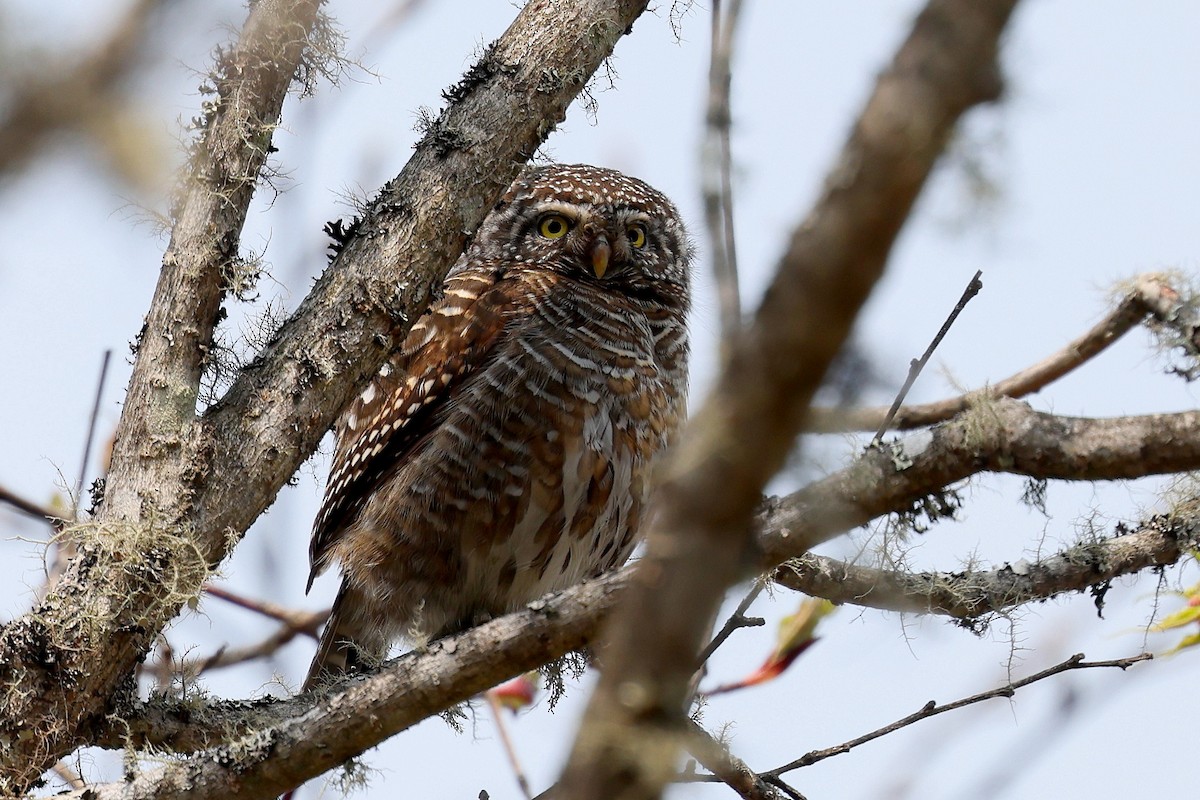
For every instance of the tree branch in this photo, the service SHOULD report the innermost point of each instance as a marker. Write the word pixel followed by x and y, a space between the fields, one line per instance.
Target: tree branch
pixel 700 526
pixel 1151 294
pixel 737 619
pixel 97 620
pixel 932 709
pixel 1000 435
pixel 716 168
pixel 300 620
pixel 305 623
pixel 972 594
pixel 918 364
pixel 263 748
pixel 35 510
pixel 727 768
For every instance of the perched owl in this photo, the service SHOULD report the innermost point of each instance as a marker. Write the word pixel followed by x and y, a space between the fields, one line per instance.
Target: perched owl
pixel 506 450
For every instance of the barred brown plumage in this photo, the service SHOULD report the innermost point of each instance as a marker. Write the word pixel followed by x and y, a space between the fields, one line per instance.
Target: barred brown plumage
pixel 505 451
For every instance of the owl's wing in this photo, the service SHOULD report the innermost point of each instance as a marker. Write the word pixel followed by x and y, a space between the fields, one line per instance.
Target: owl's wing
pixel 383 423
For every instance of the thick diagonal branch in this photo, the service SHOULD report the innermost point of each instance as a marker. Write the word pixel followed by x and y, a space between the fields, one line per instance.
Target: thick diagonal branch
pixel 701 523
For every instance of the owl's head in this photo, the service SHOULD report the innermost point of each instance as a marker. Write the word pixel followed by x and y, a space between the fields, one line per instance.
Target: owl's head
pixel 591 224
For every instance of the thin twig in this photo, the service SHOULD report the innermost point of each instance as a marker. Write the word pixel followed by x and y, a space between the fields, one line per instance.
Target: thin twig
pixel 737 619
pixel 305 622
pixel 716 176
pixel 294 621
pixel 302 621
pixel 1151 295
pixel 509 750
pixel 64 546
pixel 915 367
pixel 91 432
pixel 29 507
pixel 932 709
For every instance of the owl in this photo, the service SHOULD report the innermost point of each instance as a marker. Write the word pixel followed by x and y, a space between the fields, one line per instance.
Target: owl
pixel 506 450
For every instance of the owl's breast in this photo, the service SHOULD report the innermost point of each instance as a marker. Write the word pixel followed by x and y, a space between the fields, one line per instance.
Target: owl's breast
pixel 535 475
pixel 602 354
pixel 570 415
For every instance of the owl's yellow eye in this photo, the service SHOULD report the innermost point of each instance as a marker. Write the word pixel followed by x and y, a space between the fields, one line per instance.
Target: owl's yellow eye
pixel 554 226
pixel 637 236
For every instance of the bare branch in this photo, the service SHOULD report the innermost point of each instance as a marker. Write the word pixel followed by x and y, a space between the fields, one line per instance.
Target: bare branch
pixel 1151 295
pixel 160 408
pixel 918 364
pixel 577 612
pixel 701 519
pixel 300 620
pixel 973 594
pixel 91 432
pixel 285 742
pixel 1000 436
pixel 460 667
pixel 932 709
pixel 306 623
pixel 716 169
pixel 295 622
pixel 715 757
pixel 152 467
pixel 26 506
pixel 737 619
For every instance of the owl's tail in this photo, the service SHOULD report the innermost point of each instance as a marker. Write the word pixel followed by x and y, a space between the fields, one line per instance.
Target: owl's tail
pixel 349 643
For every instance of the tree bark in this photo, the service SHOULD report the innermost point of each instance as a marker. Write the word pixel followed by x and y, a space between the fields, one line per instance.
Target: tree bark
pixel 183 488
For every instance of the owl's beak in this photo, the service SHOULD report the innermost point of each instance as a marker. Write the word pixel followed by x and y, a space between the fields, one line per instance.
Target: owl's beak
pixel 601 252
